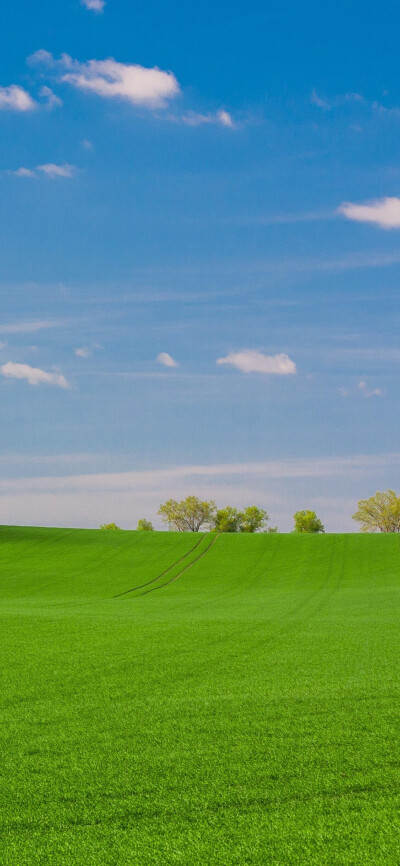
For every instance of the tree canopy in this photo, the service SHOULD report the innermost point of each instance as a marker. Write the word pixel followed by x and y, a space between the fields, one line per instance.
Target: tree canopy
pixel 145 525
pixel 193 514
pixel 227 519
pixel 189 515
pixel 109 526
pixel 307 521
pixel 253 519
pixel 379 513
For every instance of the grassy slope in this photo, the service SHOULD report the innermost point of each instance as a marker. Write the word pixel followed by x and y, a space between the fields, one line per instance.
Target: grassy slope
pixel 248 712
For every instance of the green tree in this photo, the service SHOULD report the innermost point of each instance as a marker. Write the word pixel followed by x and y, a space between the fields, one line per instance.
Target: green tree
pixel 189 515
pixel 379 513
pixel 109 526
pixel 253 519
pixel 227 519
pixel 307 521
pixel 145 525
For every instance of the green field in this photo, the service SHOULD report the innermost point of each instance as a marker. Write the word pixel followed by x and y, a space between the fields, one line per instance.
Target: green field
pixel 240 707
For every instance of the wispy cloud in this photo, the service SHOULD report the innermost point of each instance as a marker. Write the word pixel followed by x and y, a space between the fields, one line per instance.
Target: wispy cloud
pixel 83 352
pixel 313 467
pixel 336 101
pixel 343 100
pixel 221 118
pixel 23 172
pixel 31 327
pixel 49 169
pixel 319 101
pixel 166 359
pixel 84 499
pixel 33 375
pixel 253 361
pixel 383 212
pixel 276 267
pixel 147 87
pixel 15 98
pixel 94 5
pixel 51 100
pixel 346 391
pixel 369 392
pixel 280 219
pixel 376 354
pixel 386 111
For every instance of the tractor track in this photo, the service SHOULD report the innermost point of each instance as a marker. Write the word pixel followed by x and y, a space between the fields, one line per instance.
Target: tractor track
pixel 163 573
pixel 177 576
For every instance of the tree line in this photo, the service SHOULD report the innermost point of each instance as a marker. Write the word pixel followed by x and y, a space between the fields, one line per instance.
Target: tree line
pixel 194 515
pixel 379 513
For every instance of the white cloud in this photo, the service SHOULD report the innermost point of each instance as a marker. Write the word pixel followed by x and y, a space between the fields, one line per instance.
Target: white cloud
pixel 94 5
pixel 225 118
pixel 166 359
pixel 33 375
pixel 83 352
pixel 252 361
pixel 139 85
pixel 369 392
pixel 86 144
pixel 23 172
pixel 221 117
pixel 383 212
pixel 41 56
pixel 52 100
pixel 15 98
pixel 50 169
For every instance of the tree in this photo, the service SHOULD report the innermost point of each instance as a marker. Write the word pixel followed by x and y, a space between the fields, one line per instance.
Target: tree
pixel 307 521
pixel 189 515
pixel 145 525
pixel 253 519
pixel 109 526
pixel 227 519
pixel 379 513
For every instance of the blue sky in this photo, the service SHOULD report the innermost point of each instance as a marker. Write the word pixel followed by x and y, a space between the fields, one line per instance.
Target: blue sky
pixel 199 242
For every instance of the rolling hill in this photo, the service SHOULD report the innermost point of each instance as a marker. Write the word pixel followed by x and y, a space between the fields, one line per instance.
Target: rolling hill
pixel 190 698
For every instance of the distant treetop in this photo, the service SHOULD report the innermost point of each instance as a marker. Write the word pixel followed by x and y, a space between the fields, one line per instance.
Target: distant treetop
pixel 109 526
pixel 145 525
pixel 189 515
pixel 379 513
pixel 307 521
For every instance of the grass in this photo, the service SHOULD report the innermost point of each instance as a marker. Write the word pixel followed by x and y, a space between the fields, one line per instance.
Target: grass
pixel 244 712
